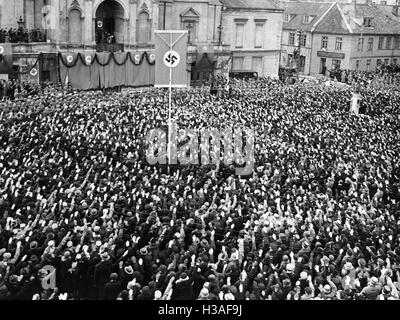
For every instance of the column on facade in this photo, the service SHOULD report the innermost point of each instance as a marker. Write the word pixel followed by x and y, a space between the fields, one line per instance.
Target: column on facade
pixel 89 22
pixel 132 21
pixel 38 15
pixel 53 24
pixel 155 13
pixel 29 14
pixel 64 21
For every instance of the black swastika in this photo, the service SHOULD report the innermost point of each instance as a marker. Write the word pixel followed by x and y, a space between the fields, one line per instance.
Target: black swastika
pixel 171 59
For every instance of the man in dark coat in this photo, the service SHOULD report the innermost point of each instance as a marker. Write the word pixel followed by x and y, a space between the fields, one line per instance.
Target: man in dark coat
pixel 183 288
pixel 112 288
pixel 102 274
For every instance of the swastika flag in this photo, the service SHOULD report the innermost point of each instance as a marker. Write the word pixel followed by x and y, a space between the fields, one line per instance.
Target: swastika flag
pixel 171 56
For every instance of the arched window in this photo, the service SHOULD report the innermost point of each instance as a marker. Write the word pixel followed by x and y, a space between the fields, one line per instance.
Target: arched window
pixel 74 26
pixel 143 28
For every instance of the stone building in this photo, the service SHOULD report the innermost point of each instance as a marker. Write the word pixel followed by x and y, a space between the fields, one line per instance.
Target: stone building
pixel 215 28
pixel 342 35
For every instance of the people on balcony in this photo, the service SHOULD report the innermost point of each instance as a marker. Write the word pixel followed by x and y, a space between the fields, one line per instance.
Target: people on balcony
pixel 15 35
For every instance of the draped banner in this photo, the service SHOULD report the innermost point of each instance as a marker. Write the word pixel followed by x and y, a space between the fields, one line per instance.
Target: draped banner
pixel 90 70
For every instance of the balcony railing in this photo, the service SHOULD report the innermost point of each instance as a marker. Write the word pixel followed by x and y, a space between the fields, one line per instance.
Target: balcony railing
pixel 110 47
pixel 22 36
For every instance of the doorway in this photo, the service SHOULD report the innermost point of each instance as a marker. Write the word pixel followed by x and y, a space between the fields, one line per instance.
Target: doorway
pixel 109 24
pixel 322 69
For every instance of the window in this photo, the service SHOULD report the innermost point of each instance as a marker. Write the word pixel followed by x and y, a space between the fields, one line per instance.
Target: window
pixel 306 19
pixel 259 35
pixel 367 22
pixel 238 63
pixel 290 59
pixel 338 45
pixel 378 62
pixel 368 63
pixel 380 43
pixel 386 61
pixel 302 63
pixel 239 35
pixel 286 17
pixel 292 36
pixel 389 43
pixel 336 64
pixel 303 40
pixel 324 43
pixel 396 44
pixel 144 28
pixel 360 44
pixel 370 44
pixel 383 3
pixel 357 64
pixel 394 61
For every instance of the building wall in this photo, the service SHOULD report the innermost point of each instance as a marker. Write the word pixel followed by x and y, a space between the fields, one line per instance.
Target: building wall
pixel 330 51
pixel 287 49
pixel 374 54
pixel 264 60
pixel 10 11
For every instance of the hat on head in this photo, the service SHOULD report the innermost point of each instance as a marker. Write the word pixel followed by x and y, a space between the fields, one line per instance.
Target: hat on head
pixel 128 269
pixel 105 256
pixel 157 294
pixel 143 251
pixel 303 275
pixel 204 293
pixel 290 267
pixel 374 280
pixel 327 289
pixel 33 245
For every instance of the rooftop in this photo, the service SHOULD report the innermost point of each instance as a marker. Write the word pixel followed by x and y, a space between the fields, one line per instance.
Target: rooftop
pixel 251 4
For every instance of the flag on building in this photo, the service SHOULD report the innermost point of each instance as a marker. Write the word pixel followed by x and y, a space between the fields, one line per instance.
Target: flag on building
pixel 171 58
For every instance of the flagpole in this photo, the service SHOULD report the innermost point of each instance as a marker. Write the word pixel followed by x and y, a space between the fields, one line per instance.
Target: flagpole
pixel 169 106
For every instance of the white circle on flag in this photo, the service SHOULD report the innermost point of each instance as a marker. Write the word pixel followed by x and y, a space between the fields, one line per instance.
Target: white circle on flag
pixel 152 56
pixel 100 24
pixel 1 49
pixel 88 59
pixel 70 59
pixel 137 57
pixel 34 72
pixel 172 59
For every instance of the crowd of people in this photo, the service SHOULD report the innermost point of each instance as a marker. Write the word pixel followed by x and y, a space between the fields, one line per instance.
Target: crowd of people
pixel 15 89
pixel 318 219
pixel 15 35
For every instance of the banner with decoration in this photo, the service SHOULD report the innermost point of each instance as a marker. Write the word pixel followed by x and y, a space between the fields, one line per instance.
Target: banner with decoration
pixel 94 70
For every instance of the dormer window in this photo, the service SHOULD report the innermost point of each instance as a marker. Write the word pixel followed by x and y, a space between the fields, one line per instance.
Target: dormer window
pixel 367 22
pixel 307 19
pixel 287 17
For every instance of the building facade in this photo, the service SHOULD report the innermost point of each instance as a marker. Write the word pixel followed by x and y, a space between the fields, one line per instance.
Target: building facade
pixel 113 25
pixel 253 31
pixel 344 35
